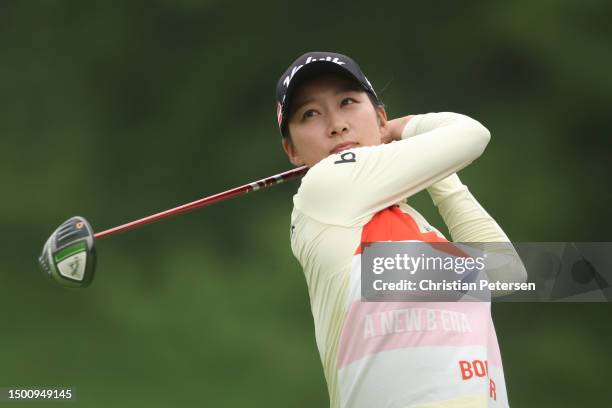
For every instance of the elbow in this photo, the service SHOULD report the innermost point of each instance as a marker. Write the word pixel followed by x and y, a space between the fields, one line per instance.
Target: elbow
pixel 474 131
pixel 484 135
pixel 479 136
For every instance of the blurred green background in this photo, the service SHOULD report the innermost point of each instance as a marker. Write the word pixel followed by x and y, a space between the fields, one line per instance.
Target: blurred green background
pixel 115 110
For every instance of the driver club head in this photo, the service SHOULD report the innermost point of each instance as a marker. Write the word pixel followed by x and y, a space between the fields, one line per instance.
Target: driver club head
pixel 69 256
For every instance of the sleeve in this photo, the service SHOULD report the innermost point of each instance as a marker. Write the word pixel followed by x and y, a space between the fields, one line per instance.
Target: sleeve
pixel 468 221
pixel 347 188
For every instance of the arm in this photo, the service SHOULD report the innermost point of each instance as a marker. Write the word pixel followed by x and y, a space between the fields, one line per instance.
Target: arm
pixel 468 221
pixel 347 188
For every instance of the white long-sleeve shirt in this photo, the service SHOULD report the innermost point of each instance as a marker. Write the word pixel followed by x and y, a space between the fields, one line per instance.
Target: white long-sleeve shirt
pixel 436 354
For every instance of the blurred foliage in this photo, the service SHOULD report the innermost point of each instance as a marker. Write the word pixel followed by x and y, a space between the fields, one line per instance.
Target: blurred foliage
pixel 115 110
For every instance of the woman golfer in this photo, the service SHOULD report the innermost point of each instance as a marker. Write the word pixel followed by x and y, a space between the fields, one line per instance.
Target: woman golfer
pixel 362 167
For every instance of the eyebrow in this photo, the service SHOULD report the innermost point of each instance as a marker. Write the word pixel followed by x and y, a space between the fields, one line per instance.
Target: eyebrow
pixel 347 88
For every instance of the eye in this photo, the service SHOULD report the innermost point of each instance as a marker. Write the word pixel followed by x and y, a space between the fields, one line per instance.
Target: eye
pixel 348 101
pixel 310 113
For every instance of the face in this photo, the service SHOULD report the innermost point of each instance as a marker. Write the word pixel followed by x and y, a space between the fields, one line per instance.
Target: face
pixel 329 114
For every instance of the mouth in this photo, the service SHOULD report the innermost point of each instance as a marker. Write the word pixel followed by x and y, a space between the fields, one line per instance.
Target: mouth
pixel 343 146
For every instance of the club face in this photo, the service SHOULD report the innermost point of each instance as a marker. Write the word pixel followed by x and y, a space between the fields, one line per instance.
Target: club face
pixel 69 256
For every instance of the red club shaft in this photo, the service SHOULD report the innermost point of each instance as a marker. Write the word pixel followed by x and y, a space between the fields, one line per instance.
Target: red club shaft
pixel 234 192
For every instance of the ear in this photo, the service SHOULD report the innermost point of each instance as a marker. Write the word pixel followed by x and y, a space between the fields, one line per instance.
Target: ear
pixel 383 123
pixel 291 151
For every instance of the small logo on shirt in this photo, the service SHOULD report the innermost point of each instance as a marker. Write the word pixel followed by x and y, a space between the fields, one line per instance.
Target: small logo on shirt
pixel 347 157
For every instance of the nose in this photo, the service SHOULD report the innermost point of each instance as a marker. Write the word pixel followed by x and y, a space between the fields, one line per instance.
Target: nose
pixel 337 125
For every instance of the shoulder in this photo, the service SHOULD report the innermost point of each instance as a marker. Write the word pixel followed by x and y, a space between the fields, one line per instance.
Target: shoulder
pixel 331 185
pixel 323 178
pixel 340 171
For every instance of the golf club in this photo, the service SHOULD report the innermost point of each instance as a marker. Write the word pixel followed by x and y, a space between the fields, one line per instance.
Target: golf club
pixel 69 255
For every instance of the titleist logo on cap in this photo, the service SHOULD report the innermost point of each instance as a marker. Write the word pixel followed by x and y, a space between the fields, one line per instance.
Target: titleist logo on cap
pixel 296 68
